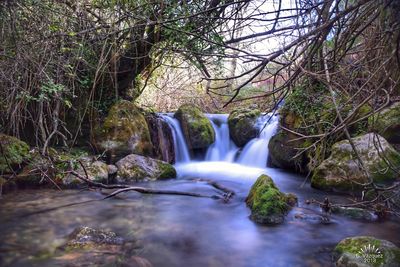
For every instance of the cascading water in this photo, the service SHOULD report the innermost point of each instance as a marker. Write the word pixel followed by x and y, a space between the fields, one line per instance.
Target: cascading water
pixel 222 153
pixel 223 149
pixel 181 150
pixel 255 153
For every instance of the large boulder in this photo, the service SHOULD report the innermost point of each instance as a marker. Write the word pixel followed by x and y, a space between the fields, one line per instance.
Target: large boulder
pixel 124 131
pixel 284 153
pixel 364 251
pixel 138 168
pixel 94 170
pixel 242 125
pixel 14 153
pixel 387 123
pixel 196 127
pixel 268 205
pixel 161 138
pixel 341 171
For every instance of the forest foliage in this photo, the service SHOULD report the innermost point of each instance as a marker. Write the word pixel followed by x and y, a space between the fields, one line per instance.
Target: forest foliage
pixel 64 63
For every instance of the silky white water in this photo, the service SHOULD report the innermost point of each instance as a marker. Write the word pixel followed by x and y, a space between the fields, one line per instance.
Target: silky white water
pixel 223 157
pixel 181 150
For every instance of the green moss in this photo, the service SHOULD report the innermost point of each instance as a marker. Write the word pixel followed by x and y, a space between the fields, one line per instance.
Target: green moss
pixel 167 171
pixel 266 201
pixel 124 131
pixel 15 152
pixel 383 171
pixel 387 123
pixel 196 127
pixel 354 245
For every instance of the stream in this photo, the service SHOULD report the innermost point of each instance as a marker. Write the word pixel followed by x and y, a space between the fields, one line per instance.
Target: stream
pixel 182 230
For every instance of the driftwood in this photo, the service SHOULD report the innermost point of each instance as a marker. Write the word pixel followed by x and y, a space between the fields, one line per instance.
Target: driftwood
pixel 228 193
pixel 143 190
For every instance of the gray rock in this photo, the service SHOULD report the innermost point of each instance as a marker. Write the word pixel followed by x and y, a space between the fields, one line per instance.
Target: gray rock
pixel 355 213
pixel 137 168
pixel 341 171
pixel 97 171
pixel 89 237
pixel 242 125
pixel 112 169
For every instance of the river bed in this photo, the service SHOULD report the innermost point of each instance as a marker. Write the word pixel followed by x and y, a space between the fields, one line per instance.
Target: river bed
pixel 181 230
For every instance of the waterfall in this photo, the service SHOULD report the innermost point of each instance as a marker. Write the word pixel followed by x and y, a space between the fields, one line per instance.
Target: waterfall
pixel 223 149
pixel 181 149
pixel 255 152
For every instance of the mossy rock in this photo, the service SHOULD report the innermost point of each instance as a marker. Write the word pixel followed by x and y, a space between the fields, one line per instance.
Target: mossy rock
pixel 355 213
pixel 242 125
pixel 133 168
pixel 268 205
pixel 96 171
pixel 361 251
pixel 14 153
pixel 341 172
pixel 124 131
pixel 283 153
pixel 196 127
pixel 387 123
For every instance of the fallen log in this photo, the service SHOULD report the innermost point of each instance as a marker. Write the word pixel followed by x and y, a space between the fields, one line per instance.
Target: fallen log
pixel 125 188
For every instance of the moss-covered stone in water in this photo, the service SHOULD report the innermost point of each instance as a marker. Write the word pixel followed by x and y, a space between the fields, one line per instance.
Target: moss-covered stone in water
pixel 366 251
pixel 268 205
pixel 124 131
pixel 242 126
pixel 196 127
pixel 15 152
pixel 355 213
pixel 87 238
pixel 341 171
pixel 167 171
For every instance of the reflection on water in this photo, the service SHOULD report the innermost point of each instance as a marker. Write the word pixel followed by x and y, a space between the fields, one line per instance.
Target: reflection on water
pixel 179 230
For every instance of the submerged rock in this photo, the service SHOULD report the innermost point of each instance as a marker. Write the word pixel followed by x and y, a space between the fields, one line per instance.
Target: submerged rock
pixel 137 168
pixel 161 138
pixel 242 125
pixel 312 218
pixel 341 171
pixel 355 213
pixel 387 123
pixel 92 247
pixel 86 237
pixel 196 128
pixel 362 251
pixel 14 153
pixel 124 132
pixel 268 205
